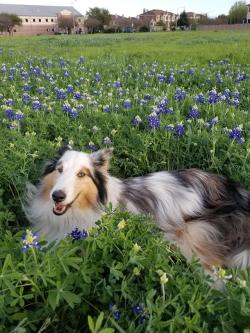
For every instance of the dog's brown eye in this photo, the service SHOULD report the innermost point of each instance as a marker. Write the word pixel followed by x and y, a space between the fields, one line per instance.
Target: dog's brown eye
pixel 60 169
pixel 80 174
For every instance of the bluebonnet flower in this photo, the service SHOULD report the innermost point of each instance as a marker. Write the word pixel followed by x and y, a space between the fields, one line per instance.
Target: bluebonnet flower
pixel 26 98
pixel 95 129
pixel 153 120
pixel 91 146
pixel 81 60
pixel 76 234
pixel 93 103
pixel 235 102
pixel 98 77
pixel 41 90
pixel 120 91
pixel 236 95
pixel 130 67
pixel 118 84
pixel 106 108
pixel 73 113
pixel 136 120
pixel 227 93
pixel 200 98
pixel 60 93
pixel 194 113
pixel 213 96
pixel 67 108
pixel 169 128
pixel 116 108
pixel 9 102
pixel 29 241
pixel 236 134
pixel 26 87
pixel 191 71
pixel 179 130
pixel 140 312
pixel 180 94
pixel 171 78
pixel 115 312
pixel 18 116
pixel 147 97
pixel 212 122
pixel 61 61
pixel 107 141
pixel 77 95
pixel 66 73
pixel 36 105
pixel 127 103
pixel 9 113
pixel 70 89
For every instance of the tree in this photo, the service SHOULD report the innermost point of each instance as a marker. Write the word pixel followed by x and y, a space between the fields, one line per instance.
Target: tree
pixel 92 24
pixel 102 15
pixel 8 21
pixel 66 21
pixel 183 21
pixel 238 12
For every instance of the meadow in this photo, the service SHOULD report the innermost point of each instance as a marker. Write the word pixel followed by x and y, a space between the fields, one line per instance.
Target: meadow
pixel 163 101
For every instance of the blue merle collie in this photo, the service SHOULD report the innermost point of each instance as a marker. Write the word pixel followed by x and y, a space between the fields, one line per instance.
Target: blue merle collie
pixel 204 214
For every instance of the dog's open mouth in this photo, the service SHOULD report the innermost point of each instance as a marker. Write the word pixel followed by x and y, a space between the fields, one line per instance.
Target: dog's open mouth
pixel 59 208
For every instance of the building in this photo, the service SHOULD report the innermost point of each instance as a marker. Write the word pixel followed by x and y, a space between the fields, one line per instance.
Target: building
pixel 43 20
pixel 156 18
pixel 248 13
pixel 194 17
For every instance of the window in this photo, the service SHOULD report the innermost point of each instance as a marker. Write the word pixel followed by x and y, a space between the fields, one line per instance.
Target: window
pixel 34 20
pixel 47 20
pixel 26 20
pixel 79 20
pixel 14 30
pixel 52 20
pixel 40 20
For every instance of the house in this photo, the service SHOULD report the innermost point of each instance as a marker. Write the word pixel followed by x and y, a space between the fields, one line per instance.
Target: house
pixel 43 20
pixel 248 13
pixel 155 18
pixel 194 17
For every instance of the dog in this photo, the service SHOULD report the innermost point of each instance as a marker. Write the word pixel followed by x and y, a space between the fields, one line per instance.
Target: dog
pixel 206 215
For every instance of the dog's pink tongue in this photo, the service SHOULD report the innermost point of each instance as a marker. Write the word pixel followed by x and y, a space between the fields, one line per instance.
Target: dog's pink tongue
pixel 59 206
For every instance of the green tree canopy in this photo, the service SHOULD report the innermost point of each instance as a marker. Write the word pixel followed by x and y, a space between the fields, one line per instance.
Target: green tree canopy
pixel 238 12
pixel 183 20
pixel 8 21
pixel 102 15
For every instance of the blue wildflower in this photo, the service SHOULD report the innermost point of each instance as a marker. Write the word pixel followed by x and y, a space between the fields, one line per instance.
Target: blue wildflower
pixel 76 234
pixel 81 60
pixel 180 94
pixel 127 103
pixel 179 130
pixel 212 122
pixel 115 312
pixel 153 120
pixel 235 102
pixel 91 146
pixel 36 105
pixel 118 84
pixel 106 108
pixel 70 89
pixel 136 120
pixel 200 98
pixel 147 97
pixel 29 240
pixel 98 77
pixel 26 98
pixel 77 96
pixel 140 312
pixel 107 141
pixel 26 87
pixel 236 134
pixel 194 113
pixel 9 113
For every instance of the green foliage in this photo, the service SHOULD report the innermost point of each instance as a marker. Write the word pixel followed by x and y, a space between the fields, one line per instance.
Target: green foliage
pixel 93 284
pixel 102 15
pixel 238 12
pixel 70 287
pixel 183 20
pixel 8 21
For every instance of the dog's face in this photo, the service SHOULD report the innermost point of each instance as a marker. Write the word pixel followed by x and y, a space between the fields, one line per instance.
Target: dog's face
pixel 76 180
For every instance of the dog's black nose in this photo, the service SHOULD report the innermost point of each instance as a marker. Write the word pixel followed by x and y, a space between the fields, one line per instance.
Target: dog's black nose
pixel 58 196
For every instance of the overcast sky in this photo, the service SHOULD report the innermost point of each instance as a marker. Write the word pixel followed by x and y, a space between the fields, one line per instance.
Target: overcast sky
pixel 135 7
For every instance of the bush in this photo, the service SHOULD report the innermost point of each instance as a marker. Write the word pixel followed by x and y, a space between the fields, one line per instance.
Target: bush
pixel 144 28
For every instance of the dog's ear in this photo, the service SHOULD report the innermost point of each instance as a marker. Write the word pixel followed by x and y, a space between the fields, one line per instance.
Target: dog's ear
pixel 63 149
pixel 51 165
pixel 101 158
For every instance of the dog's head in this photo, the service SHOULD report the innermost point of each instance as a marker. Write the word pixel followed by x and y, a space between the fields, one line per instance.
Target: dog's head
pixel 76 179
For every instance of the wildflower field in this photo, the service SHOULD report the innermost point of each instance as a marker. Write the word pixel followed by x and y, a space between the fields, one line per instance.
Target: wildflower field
pixel 164 101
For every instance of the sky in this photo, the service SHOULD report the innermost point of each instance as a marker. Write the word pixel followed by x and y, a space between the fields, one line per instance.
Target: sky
pixel 135 7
